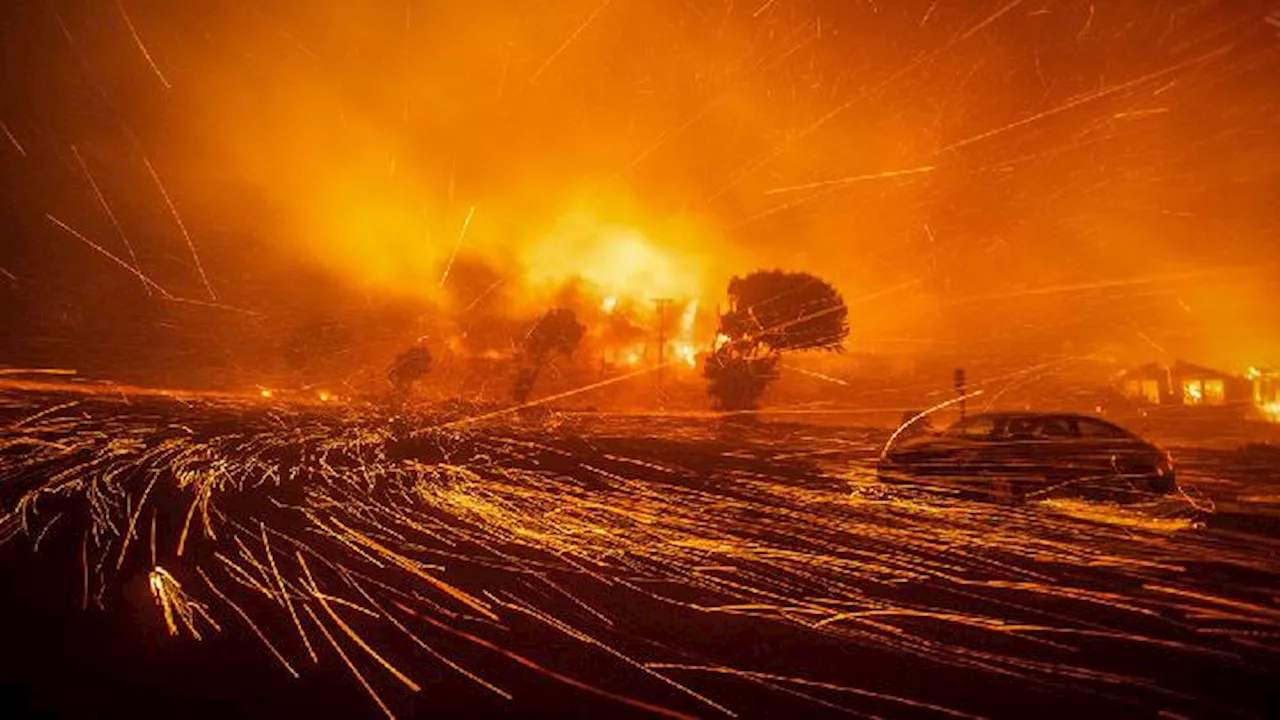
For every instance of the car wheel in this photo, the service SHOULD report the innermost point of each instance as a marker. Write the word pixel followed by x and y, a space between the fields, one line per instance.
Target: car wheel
pixel 1162 484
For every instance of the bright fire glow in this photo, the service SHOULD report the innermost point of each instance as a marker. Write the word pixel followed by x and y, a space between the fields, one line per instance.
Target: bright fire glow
pixel 618 261
pixel 686 353
pixel 1271 410
pixel 688 317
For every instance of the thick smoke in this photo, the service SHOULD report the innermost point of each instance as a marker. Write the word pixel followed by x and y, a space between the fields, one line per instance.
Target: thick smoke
pixel 1002 180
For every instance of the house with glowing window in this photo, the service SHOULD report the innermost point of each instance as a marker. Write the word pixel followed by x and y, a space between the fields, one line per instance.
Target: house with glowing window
pixel 1186 385
pixel 1266 392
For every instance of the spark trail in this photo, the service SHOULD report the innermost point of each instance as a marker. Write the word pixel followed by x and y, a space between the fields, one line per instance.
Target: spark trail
pixel 568 41
pixel 182 227
pixel 111 256
pixel 13 140
pixel 106 208
pixel 641 538
pixel 137 40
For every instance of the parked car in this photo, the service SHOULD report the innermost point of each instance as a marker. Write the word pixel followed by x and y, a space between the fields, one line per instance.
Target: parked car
pixel 1011 456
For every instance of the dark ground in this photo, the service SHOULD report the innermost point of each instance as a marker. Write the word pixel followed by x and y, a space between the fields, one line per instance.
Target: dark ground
pixel 1174 610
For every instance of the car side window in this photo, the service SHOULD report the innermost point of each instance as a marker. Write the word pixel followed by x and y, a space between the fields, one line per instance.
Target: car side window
pixel 1020 429
pixel 1094 429
pixel 975 428
pixel 1054 428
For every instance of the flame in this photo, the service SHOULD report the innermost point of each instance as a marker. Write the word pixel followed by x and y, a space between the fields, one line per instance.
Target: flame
pixel 689 317
pixel 1271 410
pixel 686 353
pixel 609 304
pixel 616 260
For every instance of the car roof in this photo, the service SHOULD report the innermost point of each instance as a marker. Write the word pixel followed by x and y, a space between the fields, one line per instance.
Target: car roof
pixel 999 417
pixel 1029 415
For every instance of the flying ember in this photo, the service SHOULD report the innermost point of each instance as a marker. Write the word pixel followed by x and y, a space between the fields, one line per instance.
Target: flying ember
pixel 785 358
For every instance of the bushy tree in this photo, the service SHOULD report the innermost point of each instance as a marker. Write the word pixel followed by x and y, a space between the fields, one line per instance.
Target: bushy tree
pixel 558 332
pixel 771 312
pixel 409 367
pixel 737 382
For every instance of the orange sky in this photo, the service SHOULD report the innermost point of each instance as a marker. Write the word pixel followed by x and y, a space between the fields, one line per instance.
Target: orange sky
pixel 998 176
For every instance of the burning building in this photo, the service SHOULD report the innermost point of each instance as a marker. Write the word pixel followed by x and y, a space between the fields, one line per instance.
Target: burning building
pixel 1185 385
pixel 1266 392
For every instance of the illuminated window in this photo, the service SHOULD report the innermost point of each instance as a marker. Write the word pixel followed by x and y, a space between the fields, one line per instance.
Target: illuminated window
pixel 1266 390
pixel 1215 392
pixel 1192 392
pixel 1151 391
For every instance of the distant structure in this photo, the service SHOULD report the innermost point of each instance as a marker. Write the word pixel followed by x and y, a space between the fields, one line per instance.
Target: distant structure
pixel 1185 384
pixel 1266 391
pixel 1190 387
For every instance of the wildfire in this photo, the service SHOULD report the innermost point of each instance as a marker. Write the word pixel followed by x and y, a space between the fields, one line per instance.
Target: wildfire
pixel 686 353
pixel 618 261
pixel 1271 410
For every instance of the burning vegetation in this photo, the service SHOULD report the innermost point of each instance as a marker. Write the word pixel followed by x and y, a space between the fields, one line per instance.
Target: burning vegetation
pixel 409 340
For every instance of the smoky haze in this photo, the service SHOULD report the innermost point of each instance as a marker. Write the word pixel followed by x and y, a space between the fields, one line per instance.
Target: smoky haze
pixel 189 186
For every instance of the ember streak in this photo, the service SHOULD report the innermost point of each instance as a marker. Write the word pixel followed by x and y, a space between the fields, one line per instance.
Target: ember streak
pixel 377 542
pixel 232 230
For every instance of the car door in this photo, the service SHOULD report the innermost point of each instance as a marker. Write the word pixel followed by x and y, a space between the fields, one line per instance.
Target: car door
pixel 952 455
pixel 1015 450
pixel 1103 451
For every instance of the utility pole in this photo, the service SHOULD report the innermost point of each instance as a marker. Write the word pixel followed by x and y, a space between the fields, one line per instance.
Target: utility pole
pixel 662 304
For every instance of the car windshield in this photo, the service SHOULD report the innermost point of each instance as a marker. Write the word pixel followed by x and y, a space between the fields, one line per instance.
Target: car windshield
pixel 979 427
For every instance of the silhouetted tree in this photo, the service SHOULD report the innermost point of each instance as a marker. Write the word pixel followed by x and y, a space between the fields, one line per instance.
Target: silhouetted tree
pixel 737 382
pixel 409 367
pixel 775 311
pixel 770 312
pixel 557 332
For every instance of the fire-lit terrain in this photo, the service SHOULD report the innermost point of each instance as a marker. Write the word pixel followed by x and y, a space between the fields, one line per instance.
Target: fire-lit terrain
pixel 681 567
pixel 601 357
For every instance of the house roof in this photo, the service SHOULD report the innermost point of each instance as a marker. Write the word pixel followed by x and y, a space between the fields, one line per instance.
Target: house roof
pixel 1179 369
